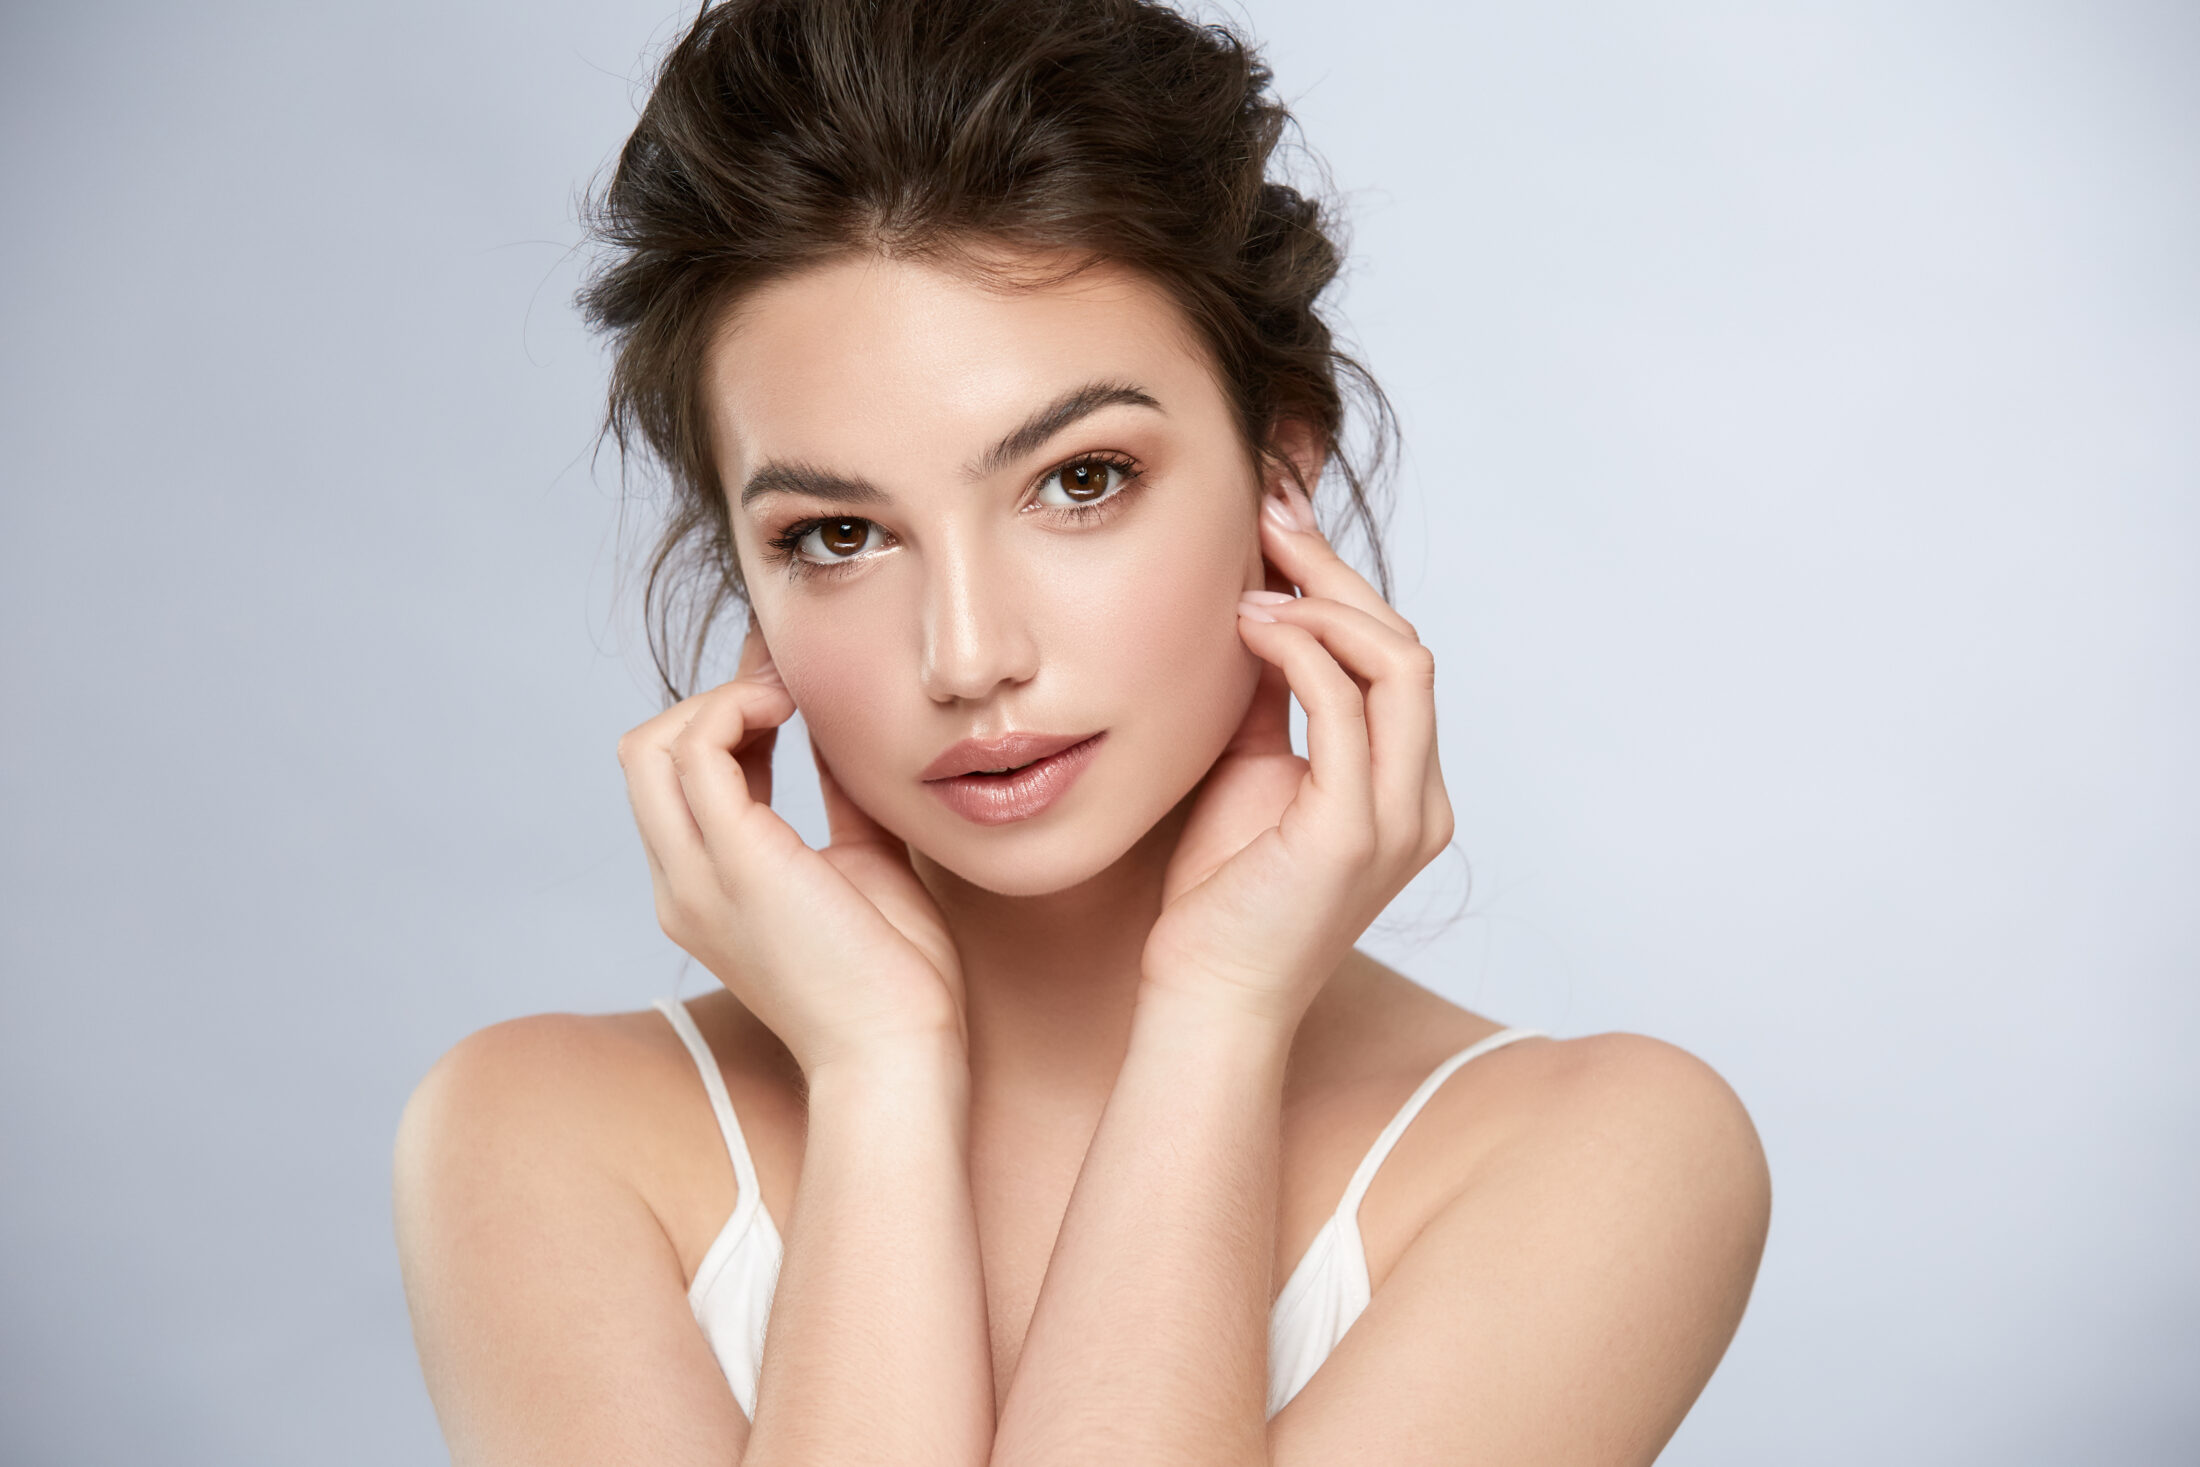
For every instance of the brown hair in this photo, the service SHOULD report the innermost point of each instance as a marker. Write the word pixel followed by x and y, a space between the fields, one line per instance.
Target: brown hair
pixel 782 133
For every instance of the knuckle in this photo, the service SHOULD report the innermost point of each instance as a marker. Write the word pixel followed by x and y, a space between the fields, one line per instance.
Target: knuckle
pixel 1419 663
pixel 1337 708
pixel 1405 841
pixel 686 749
pixel 1437 828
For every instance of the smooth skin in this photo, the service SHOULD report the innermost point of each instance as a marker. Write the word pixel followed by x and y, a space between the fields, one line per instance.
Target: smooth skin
pixel 1047 1112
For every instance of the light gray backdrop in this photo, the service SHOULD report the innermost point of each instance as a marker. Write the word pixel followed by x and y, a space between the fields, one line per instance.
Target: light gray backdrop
pixel 1801 498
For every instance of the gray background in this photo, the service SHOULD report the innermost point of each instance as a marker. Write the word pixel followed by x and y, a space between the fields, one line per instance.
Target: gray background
pixel 1801 498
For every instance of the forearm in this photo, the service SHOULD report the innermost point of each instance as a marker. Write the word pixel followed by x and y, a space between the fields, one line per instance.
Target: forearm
pixel 877 1348
pixel 1149 1341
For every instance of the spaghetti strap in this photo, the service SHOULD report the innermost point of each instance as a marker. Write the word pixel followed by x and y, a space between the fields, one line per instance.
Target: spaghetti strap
pixel 721 1104
pixel 1349 1207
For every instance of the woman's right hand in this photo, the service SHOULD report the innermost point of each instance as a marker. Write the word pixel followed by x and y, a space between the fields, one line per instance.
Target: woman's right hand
pixel 842 952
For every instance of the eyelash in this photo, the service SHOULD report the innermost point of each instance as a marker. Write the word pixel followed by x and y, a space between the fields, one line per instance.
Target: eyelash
pixel 785 545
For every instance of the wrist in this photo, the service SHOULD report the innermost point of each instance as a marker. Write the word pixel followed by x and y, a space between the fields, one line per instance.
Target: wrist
pixel 1218 1015
pixel 919 1059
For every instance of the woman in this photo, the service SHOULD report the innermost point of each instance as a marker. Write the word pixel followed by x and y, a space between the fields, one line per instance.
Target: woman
pixel 1047 1114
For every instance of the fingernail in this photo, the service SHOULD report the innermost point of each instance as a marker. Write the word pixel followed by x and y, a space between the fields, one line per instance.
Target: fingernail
pixel 1253 604
pixel 1267 598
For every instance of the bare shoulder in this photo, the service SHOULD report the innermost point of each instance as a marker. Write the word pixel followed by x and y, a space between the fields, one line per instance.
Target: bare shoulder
pixel 1577 1233
pixel 1626 1109
pixel 598 1102
pixel 1643 1127
pixel 1624 1176
pixel 543 1168
pixel 1621 1210
pixel 1627 1142
pixel 576 1089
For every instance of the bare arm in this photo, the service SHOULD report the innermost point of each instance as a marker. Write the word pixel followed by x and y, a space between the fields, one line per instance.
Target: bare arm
pixel 1566 1308
pixel 877 1349
pixel 551 1311
pixel 1149 1342
pixel 546 1297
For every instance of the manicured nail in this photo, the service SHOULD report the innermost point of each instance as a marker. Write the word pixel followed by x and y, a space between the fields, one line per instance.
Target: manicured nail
pixel 1253 604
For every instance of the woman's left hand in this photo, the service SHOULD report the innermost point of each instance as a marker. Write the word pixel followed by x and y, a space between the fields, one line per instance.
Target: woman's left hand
pixel 1285 861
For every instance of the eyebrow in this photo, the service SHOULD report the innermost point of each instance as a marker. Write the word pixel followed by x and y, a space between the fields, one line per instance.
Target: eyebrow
pixel 812 482
pixel 1078 402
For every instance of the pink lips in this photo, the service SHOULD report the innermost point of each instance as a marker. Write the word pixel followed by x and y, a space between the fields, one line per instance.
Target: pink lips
pixel 1041 767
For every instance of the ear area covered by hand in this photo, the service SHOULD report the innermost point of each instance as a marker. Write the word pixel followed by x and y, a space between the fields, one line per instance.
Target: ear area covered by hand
pixel 1294 458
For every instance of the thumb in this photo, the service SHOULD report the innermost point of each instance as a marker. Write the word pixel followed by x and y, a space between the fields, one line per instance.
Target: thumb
pixel 756 664
pixel 757 669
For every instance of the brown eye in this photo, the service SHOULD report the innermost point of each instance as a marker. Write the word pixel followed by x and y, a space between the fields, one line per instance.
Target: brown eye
pixel 1083 482
pixel 844 537
pixel 830 540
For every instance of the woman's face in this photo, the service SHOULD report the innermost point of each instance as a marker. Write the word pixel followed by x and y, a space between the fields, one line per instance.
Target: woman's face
pixel 972 514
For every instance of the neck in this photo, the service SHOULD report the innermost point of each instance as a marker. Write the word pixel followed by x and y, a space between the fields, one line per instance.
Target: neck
pixel 1050 982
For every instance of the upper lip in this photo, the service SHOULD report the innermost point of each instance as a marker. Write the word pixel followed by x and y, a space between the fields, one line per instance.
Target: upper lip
pixel 1010 750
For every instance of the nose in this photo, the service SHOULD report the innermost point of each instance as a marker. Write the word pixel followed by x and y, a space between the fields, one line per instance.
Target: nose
pixel 977 635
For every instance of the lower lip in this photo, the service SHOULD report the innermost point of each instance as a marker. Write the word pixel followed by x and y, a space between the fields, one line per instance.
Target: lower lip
pixel 1000 799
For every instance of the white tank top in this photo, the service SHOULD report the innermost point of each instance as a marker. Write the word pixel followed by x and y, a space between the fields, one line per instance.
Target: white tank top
pixel 732 1292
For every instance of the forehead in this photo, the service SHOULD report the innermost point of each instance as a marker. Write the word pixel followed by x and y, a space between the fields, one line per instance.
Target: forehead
pixel 864 357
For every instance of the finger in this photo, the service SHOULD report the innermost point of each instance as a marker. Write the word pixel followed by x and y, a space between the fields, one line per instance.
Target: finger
pixel 1437 827
pixel 651 785
pixel 660 879
pixel 706 756
pixel 671 840
pixel 756 750
pixel 1336 725
pixel 756 664
pixel 1400 676
pixel 1437 821
pixel 1291 543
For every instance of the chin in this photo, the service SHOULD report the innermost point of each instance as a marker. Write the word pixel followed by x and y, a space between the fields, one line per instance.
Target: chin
pixel 1063 848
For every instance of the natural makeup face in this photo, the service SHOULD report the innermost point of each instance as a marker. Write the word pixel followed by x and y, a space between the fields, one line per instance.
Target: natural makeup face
pixel 986 529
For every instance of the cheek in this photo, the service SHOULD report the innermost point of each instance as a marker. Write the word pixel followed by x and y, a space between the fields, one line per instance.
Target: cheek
pixel 841 680
pixel 1169 640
